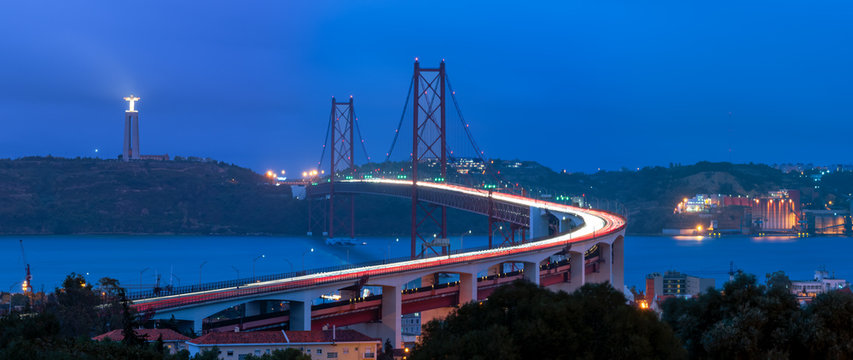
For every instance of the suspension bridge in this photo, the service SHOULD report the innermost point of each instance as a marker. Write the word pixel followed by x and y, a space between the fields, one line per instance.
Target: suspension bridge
pixel 554 245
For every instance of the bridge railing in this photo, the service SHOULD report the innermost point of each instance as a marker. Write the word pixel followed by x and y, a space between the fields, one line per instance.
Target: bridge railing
pixel 225 284
pixel 258 289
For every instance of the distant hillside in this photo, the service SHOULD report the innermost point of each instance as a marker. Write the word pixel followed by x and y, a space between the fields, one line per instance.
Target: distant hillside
pixel 47 195
pixel 650 194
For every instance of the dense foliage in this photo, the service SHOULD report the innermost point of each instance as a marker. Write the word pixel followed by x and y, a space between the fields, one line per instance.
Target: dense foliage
pixel 752 321
pixel 523 321
pixel 62 326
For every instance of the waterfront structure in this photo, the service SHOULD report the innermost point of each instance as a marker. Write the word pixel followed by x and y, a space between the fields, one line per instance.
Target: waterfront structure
pixel 130 150
pixel 172 340
pixel 828 222
pixel 806 290
pixel 319 344
pixel 775 212
pixel 675 284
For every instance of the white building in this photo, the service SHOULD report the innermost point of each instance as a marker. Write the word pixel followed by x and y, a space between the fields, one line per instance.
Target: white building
pixel 319 344
pixel 806 290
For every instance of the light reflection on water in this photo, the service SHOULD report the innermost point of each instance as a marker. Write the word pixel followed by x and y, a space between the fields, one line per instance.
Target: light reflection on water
pixel 124 257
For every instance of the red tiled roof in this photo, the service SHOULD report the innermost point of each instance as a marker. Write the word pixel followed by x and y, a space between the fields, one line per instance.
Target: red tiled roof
pixel 277 337
pixel 148 334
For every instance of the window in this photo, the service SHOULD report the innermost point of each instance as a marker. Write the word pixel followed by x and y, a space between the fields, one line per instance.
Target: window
pixel 319 351
pixel 307 350
pixel 331 355
pixel 258 352
pixel 230 352
pixel 242 357
pixel 346 350
pixel 267 351
pixel 369 355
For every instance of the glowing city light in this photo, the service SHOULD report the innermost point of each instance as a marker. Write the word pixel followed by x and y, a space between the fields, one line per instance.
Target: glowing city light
pixel 131 101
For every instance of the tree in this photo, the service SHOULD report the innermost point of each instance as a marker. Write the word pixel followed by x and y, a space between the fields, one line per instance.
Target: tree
pixel 129 322
pixel 75 306
pixel 387 352
pixel 212 354
pixel 745 320
pixel 827 327
pixel 524 321
pixel 286 354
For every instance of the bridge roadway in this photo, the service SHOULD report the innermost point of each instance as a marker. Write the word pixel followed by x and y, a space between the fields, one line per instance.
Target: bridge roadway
pixel 579 230
pixel 368 309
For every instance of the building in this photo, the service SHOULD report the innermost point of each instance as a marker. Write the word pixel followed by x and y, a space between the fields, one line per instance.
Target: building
pixel 675 284
pixel 828 222
pixel 172 340
pixel 775 212
pixel 779 211
pixel 319 344
pixel 411 327
pixel 806 290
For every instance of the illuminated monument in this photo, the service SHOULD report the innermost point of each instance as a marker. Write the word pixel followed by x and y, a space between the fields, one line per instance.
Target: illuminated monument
pixel 131 131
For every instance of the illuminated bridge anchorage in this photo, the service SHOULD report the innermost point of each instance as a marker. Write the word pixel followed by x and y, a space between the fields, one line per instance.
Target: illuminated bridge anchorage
pixel 562 247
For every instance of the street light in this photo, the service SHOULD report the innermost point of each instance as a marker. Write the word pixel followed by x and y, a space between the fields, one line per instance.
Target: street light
pixel 199 272
pixel 236 270
pixel 462 239
pixel 290 263
pixel 303 257
pixel 140 276
pixel 389 248
pixel 253 265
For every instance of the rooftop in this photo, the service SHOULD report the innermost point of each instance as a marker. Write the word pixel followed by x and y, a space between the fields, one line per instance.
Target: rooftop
pixel 147 334
pixel 281 337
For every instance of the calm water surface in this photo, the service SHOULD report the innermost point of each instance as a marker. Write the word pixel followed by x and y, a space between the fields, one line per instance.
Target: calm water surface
pixel 178 258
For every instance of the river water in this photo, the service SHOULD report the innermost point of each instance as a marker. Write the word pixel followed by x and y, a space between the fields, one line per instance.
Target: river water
pixel 140 259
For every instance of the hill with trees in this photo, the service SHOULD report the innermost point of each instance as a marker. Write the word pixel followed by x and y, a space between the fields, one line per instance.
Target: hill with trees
pixel 49 195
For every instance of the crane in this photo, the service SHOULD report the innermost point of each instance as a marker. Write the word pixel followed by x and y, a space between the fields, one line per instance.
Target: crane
pixel 27 286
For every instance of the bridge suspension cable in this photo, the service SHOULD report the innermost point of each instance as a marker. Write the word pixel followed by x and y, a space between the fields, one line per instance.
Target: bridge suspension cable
pixel 400 124
pixel 477 150
pixel 361 138
pixel 325 142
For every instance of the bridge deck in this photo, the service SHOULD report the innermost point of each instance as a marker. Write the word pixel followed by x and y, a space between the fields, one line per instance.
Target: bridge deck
pixel 597 224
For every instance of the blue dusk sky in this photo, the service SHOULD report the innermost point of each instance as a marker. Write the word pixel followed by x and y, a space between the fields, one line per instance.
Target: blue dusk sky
pixel 572 84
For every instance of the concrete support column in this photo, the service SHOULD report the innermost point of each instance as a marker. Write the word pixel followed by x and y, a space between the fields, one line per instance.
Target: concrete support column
pixel 467 288
pixel 428 280
pixel 578 270
pixel 618 261
pixel 538 223
pixel 495 269
pixel 531 272
pixel 605 263
pixel 391 313
pixel 255 308
pixel 197 326
pixel 300 315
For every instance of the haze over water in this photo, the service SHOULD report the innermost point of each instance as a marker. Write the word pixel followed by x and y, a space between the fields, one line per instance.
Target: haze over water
pixel 123 257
